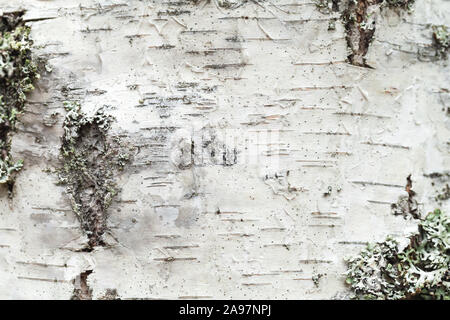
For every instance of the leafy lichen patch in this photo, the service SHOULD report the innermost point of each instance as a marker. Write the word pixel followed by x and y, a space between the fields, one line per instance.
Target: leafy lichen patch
pixel 441 38
pixel 421 270
pixel 90 161
pixel 18 71
pixel 407 205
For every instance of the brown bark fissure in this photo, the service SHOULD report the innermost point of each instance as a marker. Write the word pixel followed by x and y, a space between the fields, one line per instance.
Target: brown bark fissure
pixel 93 190
pixel 407 205
pixel 82 290
pixel 360 28
pixel 359 18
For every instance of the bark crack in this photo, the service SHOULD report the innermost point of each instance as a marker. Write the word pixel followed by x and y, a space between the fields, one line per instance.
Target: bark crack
pixel 81 290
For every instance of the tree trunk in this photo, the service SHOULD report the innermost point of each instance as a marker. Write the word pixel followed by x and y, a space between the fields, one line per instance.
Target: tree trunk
pixel 259 156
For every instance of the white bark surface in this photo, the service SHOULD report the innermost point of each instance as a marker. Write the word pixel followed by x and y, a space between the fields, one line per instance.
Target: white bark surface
pixel 268 81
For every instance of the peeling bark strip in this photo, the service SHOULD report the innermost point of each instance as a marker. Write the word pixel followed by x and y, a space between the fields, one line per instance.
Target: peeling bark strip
pixel 89 164
pixel 17 74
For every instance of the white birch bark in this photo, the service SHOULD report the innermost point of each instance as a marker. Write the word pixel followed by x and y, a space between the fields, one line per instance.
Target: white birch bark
pixel 309 151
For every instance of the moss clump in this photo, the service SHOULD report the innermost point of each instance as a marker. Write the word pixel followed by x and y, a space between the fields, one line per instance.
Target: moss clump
pixel 419 271
pixel 18 71
pixel 441 38
pixel 90 161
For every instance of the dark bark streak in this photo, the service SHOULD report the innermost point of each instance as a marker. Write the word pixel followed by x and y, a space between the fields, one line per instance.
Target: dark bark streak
pixel 359 34
pixel 407 205
pixel 91 161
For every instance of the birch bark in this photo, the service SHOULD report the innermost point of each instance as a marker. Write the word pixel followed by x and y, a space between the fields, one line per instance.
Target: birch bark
pixel 261 157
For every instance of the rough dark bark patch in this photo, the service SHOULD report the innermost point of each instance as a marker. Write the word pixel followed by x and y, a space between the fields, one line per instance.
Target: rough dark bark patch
pixel 18 71
pixel 440 181
pixel 407 205
pixel 90 162
pixel 441 41
pixel 82 291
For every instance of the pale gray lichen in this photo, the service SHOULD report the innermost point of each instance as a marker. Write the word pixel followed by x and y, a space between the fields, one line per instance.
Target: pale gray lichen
pixel 421 270
pixel 441 38
pixel 18 71
pixel 90 160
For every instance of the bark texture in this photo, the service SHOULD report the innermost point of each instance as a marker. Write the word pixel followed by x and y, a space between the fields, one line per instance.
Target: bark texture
pixel 260 157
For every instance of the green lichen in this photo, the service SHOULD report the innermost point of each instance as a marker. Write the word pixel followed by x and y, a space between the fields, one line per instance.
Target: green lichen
pixel 441 38
pixel 327 6
pixel 18 71
pixel 421 270
pixel 89 163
